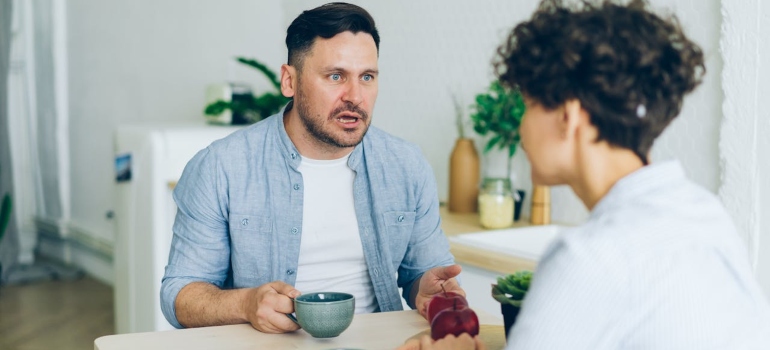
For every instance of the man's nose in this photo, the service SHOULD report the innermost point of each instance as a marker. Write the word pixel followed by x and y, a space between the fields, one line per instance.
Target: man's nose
pixel 353 93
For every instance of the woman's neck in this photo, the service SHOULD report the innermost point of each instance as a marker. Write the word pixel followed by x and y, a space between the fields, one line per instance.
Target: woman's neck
pixel 599 168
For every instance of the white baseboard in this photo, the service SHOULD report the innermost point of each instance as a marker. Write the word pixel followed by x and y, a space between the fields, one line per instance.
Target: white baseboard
pixel 73 245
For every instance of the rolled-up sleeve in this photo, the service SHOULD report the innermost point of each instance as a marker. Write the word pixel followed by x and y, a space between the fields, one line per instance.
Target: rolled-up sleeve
pixel 200 247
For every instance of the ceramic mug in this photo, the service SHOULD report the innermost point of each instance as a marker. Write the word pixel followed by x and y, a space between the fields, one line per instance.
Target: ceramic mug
pixel 324 314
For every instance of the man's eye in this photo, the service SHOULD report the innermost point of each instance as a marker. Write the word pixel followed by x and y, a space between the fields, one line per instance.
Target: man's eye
pixel 368 77
pixel 336 77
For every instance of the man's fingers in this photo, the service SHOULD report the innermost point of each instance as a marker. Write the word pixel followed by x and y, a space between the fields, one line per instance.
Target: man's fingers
pixel 283 304
pixel 285 289
pixel 282 322
pixel 447 272
pixel 264 326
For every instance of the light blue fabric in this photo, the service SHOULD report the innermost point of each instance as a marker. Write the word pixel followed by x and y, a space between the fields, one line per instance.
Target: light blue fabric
pixel 658 265
pixel 239 215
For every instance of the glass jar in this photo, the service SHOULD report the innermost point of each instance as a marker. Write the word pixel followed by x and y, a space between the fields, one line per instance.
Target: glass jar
pixel 496 203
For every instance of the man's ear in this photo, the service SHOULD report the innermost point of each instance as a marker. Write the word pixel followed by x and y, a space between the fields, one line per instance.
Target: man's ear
pixel 288 80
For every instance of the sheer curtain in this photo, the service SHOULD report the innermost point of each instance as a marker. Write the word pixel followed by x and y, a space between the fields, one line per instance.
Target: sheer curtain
pixel 36 129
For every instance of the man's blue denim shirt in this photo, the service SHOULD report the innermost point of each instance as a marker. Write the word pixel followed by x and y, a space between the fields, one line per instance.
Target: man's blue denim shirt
pixel 239 217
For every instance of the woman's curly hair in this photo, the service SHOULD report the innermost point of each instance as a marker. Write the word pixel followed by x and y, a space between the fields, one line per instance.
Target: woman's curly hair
pixel 628 67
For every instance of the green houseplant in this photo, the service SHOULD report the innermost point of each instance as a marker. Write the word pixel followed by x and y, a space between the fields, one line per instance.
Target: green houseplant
pixel 253 108
pixel 496 114
pixel 509 292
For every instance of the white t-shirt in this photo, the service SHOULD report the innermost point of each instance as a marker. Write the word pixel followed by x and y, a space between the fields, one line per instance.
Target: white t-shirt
pixel 331 257
pixel 658 265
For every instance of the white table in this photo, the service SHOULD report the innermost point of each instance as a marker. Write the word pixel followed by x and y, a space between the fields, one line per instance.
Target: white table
pixel 386 330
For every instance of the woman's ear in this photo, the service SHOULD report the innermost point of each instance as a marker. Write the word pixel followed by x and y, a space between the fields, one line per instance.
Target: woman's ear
pixel 577 122
pixel 571 118
pixel 288 80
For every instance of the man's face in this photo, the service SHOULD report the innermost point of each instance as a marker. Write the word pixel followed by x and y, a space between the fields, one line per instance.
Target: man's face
pixel 337 88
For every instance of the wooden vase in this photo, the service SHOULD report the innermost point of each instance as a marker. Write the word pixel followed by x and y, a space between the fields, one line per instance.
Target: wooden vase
pixel 464 173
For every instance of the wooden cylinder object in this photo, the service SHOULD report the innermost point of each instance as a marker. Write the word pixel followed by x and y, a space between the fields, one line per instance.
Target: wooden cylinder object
pixel 464 172
pixel 541 206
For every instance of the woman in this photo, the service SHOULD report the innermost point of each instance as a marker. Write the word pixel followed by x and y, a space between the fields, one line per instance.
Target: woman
pixel 658 264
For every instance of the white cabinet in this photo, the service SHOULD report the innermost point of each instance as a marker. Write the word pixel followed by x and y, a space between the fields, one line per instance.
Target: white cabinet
pixel 477 284
pixel 145 214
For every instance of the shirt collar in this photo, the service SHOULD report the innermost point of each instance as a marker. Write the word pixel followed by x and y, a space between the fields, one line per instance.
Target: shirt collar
pixel 292 154
pixel 640 183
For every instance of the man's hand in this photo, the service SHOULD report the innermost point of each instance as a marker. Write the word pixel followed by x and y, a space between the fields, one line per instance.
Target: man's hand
pixel 266 307
pixel 450 342
pixel 201 304
pixel 431 284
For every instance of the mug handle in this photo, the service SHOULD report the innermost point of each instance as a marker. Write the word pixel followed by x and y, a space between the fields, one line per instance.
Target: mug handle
pixel 293 319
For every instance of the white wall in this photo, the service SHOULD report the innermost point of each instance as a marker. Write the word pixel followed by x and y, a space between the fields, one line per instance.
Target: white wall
pixel 146 60
pixel 744 146
pixel 429 48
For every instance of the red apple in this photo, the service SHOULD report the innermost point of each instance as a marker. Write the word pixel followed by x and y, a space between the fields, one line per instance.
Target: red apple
pixel 443 301
pixel 454 321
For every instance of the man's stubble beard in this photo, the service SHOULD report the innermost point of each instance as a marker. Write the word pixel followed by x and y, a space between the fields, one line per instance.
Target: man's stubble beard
pixel 315 126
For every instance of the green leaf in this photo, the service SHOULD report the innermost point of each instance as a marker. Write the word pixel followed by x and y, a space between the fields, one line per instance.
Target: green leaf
pixel 498 113
pixel 511 289
pixel 512 149
pixel 262 68
pixel 217 107
pixel 492 142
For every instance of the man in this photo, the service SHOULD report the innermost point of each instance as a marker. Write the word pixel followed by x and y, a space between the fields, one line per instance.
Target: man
pixel 310 199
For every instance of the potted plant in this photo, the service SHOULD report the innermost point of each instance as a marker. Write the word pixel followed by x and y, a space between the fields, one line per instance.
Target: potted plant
pixel 510 291
pixel 497 114
pixel 248 108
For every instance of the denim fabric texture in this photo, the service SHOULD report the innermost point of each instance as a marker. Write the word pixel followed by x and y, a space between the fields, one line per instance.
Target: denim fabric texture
pixel 239 216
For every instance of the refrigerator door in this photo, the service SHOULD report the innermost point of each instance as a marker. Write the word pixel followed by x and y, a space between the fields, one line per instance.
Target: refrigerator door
pixel 156 156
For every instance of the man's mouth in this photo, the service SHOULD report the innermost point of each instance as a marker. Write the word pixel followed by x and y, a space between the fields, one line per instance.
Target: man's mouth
pixel 347 118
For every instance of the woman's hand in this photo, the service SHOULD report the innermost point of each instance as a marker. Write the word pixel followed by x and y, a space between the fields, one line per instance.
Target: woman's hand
pixel 450 342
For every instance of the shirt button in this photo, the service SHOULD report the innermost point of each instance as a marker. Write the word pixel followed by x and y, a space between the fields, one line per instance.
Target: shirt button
pixel 293 156
pixel 294 230
pixel 289 272
pixel 400 218
pixel 296 186
pixel 245 222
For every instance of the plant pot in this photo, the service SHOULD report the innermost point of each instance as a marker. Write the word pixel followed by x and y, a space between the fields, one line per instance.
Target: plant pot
pixel 510 313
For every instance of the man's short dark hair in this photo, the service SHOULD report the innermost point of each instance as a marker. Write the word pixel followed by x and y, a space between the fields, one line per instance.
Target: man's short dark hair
pixel 628 67
pixel 326 21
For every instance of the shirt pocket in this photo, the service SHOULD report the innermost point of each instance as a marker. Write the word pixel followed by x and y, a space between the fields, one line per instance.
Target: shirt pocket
pixel 251 238
pixel 399 226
